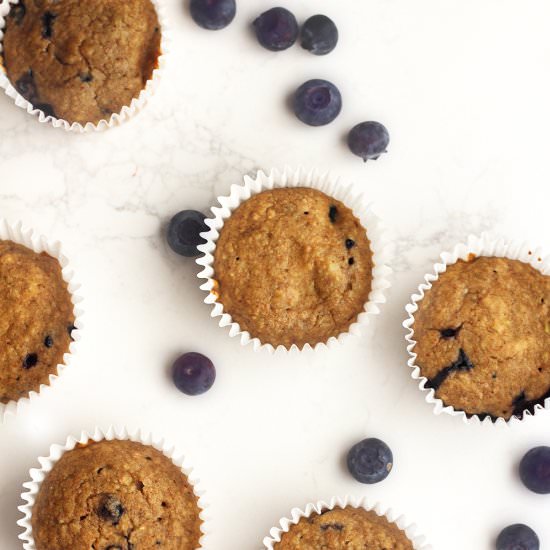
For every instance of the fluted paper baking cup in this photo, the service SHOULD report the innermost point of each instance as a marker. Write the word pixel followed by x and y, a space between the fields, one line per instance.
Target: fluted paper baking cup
pixel 127 112
pixel 485 245
pixel 296 514
pixel 295 178
pixel 38 475
pixel 26 237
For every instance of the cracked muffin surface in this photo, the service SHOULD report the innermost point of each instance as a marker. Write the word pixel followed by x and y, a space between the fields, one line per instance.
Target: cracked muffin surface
pixel 116 495
pixel 483 337
pixel 344 528
pixel 293 266
pixel 81 61
pixel 36 321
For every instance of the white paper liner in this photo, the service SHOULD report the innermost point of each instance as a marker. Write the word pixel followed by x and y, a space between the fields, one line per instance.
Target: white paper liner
pixel 296 178
pixel 39 243
pixel 485 245
pixel 115 119
pixel 410 530
pixel 56 451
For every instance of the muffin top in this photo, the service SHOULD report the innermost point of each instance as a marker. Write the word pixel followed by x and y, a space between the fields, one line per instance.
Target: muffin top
pixel 483 337
pixel 81 61
pixel 346 529
pixel 116 495
pixel 293 266
pixel 36 322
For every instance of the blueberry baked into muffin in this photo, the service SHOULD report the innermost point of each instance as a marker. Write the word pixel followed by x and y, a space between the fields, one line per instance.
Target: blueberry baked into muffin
pixel 116 495
pixel 81 61
pixel 483 337
pixel 36 319
pixel 293 266
pixel 344 529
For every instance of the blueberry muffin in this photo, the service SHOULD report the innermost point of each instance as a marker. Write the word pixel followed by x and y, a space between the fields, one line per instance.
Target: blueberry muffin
pixel 344 529
pixel 36 322
pixel 293 266
pixel 81 61
pixel 483 337
pixel 116 495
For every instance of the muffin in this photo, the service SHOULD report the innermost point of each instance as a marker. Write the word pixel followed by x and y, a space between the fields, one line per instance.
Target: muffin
pixel 116 495
pixel 81 61
pixel 344 528
pixel 293 266
pixel 36 322
pixel 482 335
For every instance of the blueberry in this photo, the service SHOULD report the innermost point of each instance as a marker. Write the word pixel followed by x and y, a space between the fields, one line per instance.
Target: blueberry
pixel 319 35
pixel 332 213
pixel 370 461
pixel 517 537
pixel 184 232
pixel 276 29
pixel 193 373
pixel 111 509
pixel 30 360
pixel 317 102
pixel 534 470
pixel 18 12
pixel 48 341
pixel 47 24
pixel 368 140
pixel 350 243
pixel 213 14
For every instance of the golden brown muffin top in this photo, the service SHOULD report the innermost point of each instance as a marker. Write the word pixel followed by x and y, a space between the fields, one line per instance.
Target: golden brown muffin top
pixel 81 60
pixel 116 495
pixel 36 321
pixel 344 529
pixel 293 266
pixel 483 337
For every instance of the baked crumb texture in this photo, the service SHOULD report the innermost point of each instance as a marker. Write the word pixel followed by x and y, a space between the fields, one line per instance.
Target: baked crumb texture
pixel 293 266
pixel 116 495
pixel 344 529
pixel 36 319
pixel 483 337
pixel 81 61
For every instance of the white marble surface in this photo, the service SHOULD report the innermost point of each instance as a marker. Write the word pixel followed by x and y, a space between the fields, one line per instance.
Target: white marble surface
pixel 463 86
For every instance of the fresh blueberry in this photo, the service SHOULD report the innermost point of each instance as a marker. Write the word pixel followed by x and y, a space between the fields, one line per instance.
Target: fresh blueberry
pixel 213 14
pixel 184 232
pixel 319 35
pixel 370 461
pixel 368 140
pixel 317 102
pixel 518 537
pixel 193 373
pixel 276 29
pixel 534 470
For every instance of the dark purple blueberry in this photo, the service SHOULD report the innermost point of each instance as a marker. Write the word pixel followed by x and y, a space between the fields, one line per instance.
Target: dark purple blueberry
pixel 350 243
pixel 534 470
pixel 517 537
pixel 30 360
pixel 370 461
pixel 18 12
pixel 111 509
pixel 26 86
pixel 213 14
pixel 317 102
pixel 368 140
pixel 332 213
pixel 319 35
pixel 184 232
pixel 448 333
pixel 47 24
pixel 48 341
pixel 86 77
pixel 276 29
pixel 193 373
